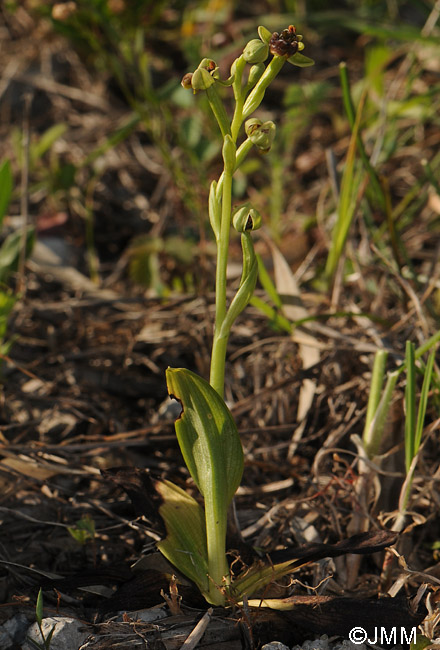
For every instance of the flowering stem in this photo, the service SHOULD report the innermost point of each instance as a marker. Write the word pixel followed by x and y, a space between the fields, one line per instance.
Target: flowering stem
pixel 218 355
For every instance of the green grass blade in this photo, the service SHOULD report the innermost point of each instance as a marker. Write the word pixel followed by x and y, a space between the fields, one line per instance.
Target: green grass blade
pixel 5 188
pixel 410 404
pixel 376 187
pixel 423 401
pixel 351 181
pixel 276 319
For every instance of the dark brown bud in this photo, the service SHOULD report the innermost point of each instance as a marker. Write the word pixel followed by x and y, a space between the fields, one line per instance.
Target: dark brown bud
pixel 284 44
pixel 186 81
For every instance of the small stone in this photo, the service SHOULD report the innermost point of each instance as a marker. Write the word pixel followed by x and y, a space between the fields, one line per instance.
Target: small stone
pixel 275 645
pixel 69 633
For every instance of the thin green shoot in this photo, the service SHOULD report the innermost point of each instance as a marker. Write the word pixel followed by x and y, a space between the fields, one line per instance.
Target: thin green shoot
pixel 39 613
pixel 350 186
pixel 372 436
pixel 377 379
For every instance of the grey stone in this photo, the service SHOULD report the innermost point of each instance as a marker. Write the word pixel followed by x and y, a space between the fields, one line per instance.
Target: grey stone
pixel 69 633
pixel 13 631
pixel 275 645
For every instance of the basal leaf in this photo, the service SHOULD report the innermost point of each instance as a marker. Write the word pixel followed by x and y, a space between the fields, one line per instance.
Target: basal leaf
pixel 213 454
pixel 185 543
pixel 207 435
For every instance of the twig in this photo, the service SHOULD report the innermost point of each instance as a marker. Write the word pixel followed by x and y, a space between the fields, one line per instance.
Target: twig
pixel 195 636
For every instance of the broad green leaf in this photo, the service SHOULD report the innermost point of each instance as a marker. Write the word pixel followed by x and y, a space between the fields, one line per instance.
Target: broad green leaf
pixel 5 188
pixel 185 544
pixel 207 435
pixel 300 60
pixel 213 454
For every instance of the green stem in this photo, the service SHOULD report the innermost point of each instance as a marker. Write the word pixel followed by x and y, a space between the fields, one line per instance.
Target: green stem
pixel 242 152
pixel 218 355
pixel 218 570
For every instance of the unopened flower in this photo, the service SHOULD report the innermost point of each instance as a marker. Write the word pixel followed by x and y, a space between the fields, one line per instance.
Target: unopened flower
pixel 261 134
pixel 246 218
pixel 187 80
pixel 255 51
pixel 255 74
pixel 205 76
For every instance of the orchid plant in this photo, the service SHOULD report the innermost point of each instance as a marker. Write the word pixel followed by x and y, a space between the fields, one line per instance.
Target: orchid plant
pixel 206 432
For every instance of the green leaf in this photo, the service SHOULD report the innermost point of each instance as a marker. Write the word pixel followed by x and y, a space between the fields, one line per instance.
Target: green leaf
pixel 420 642
pixel 46 141
pixel 84 530
pixel 258 576
pixel 213 454
pixel 5 188
pixel 207 435
pixel 423 402
pixel 39 607
pixel 300 60
pixel 10 252
pixel 185 544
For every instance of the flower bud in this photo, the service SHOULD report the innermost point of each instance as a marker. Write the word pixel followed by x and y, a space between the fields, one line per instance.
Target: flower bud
pixel 255 73
pixel 260 134
pixel 252 125
pixel 246 218
pixel 255 51
pixel 229 154
pixel 201 79
pixel 187 80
